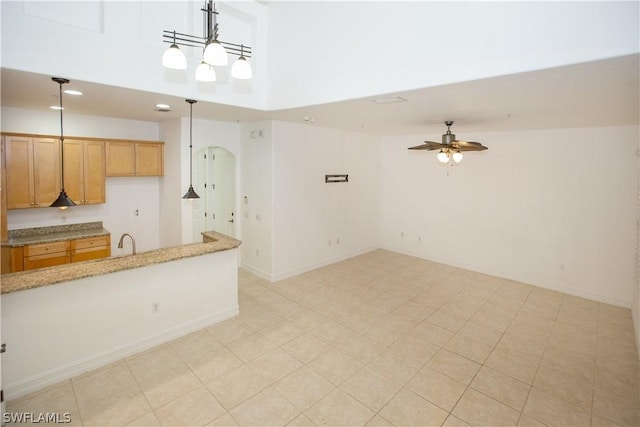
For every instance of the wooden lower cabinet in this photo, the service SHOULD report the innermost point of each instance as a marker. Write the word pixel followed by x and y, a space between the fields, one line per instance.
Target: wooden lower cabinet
pixel 40 255
pixel 90 248
pixel 12 259
pixel 46 255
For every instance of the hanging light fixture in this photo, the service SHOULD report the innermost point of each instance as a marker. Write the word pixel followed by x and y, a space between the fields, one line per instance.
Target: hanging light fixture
pixel 241 69
pixel 191 193
pixel 173 57
pixel 215 51
pixel 450 147
pixel 63 201
pixel 205 73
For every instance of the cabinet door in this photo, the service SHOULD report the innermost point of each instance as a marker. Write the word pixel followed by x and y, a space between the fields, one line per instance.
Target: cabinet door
pixel 90 248
pixel 120 158
pixel 12 259
pixel 41 255
pixel 149 159
pixel 73 170
pixel 46 171
pixel 94 172
pixel 19 165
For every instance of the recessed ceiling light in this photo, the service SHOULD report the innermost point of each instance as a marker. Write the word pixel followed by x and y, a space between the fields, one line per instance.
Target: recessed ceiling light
pixel 390 100
pixel 163 106
pixel 73 92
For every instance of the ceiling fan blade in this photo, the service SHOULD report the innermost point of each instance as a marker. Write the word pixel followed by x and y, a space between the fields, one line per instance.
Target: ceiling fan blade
pixel 468 145
pixel 429 145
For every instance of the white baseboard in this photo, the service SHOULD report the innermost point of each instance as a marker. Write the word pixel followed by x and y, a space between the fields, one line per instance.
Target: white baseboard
pixel 62 373
pixel 256 271
pixel 308 267
pixel 319 264
pixel 552 286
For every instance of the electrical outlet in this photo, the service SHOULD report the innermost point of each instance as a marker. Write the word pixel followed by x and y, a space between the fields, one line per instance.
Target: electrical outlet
pixel 257 252
pixel 155 307
pixel 402 234
pixel 338 241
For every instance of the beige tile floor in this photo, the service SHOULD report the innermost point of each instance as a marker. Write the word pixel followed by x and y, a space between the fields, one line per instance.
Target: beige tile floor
pixel 380 339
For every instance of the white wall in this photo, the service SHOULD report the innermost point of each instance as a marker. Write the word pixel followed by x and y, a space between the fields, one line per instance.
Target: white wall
pixel 553 208
pixel 56 332
pixel 170 207
pixel 327 51
pixel 256 198
pixel 121 44
pixel 315 223
pixel 47 122
pixel 124 195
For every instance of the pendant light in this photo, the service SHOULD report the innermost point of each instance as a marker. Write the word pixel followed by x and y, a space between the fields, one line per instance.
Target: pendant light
pixel 191 193
pixel 241 69
pixel 63 201
pixel 214 53
pixel 173 57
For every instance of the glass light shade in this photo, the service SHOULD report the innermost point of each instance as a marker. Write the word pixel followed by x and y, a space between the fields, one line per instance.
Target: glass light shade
pixel 241 69
pixel 443 156
pixel 457 157
pixel 215 54
pixel 174 58
pixel 205 73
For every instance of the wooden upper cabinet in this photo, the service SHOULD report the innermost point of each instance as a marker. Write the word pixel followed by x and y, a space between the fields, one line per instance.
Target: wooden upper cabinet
pixel 120 158
pixel 130 158
pixel 33 171
pixel 84 171
pixel 19 170
pixel 94 172
pixel 149 159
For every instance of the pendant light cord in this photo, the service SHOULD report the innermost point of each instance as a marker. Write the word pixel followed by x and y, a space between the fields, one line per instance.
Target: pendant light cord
pixel 191 144
pixel 61 143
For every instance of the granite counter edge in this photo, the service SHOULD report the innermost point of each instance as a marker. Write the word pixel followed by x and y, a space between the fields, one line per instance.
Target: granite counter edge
pixel 24 280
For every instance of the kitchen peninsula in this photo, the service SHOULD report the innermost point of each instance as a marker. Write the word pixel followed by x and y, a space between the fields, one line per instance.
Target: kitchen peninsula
pixel 61 321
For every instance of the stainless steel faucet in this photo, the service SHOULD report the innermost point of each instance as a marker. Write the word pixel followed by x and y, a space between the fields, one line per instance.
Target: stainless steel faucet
pixel 133 242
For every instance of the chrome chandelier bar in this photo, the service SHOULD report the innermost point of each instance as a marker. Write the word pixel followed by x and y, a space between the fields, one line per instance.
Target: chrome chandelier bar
pixel 215 51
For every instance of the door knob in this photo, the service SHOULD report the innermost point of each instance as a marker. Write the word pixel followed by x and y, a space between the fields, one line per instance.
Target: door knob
pixel 230 220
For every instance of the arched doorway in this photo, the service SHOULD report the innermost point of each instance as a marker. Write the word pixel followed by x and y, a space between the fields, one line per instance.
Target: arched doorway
pixel 214 179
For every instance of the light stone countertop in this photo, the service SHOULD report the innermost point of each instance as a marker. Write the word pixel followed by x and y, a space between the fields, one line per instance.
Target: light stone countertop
pixel 56 233
pixel 23 280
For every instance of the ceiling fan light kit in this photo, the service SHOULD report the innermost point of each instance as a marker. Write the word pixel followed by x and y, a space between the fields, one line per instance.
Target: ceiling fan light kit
pixel 450 148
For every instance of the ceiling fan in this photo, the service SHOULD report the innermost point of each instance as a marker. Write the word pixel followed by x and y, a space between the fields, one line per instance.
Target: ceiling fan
pixel 450 146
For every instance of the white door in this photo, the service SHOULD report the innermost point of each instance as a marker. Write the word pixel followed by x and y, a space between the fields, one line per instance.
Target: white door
pixel 222 200
pixel 214 179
